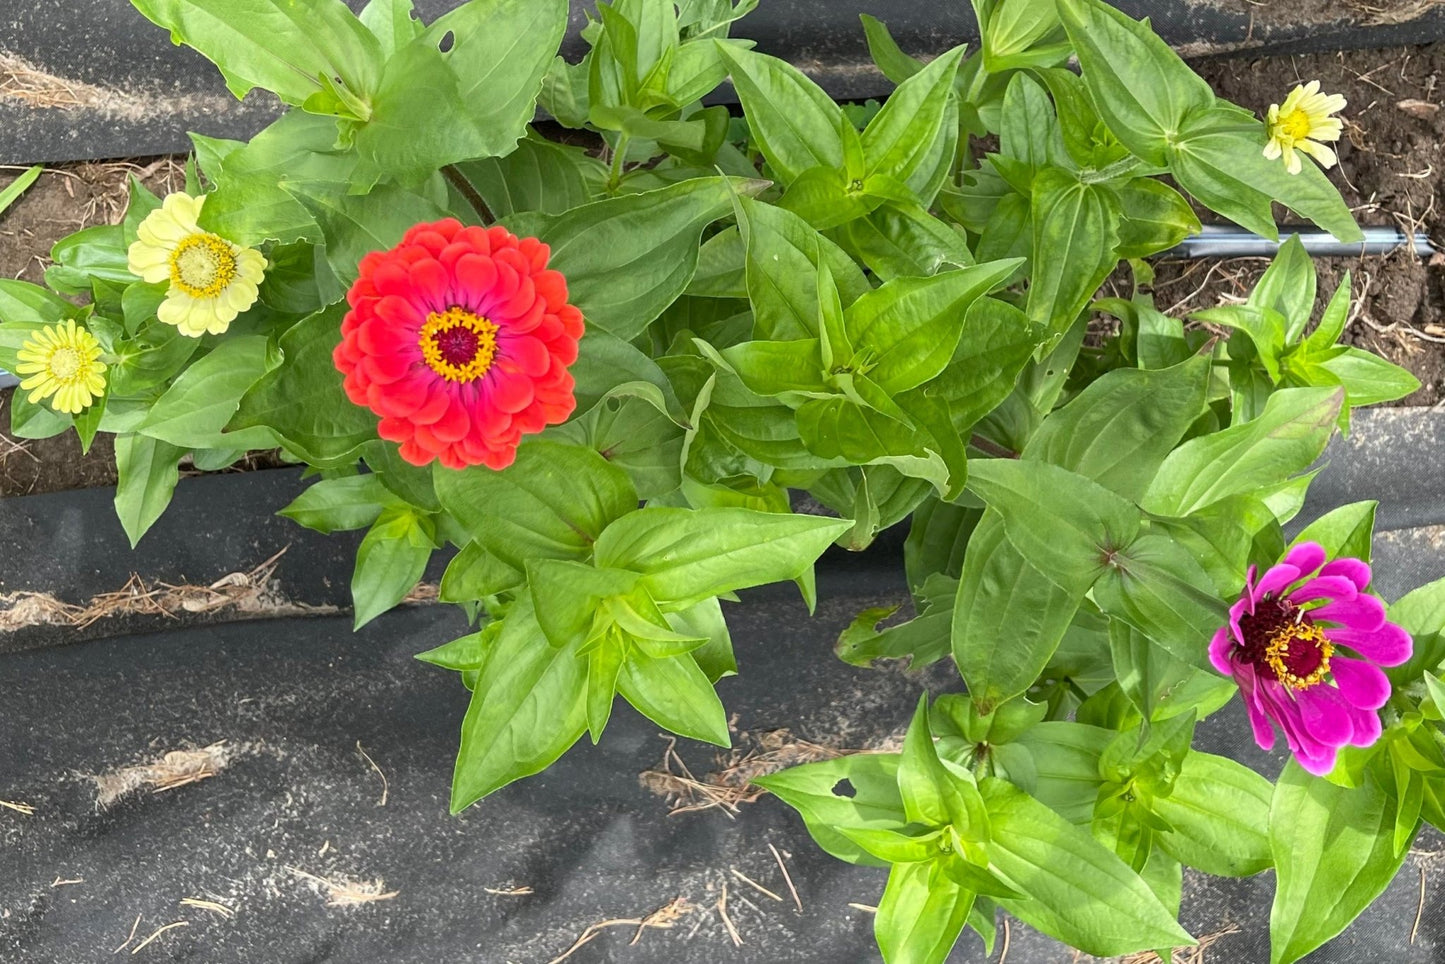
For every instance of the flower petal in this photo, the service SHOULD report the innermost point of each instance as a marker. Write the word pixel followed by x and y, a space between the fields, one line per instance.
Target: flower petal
pixel 1388 646
pixel 1360 682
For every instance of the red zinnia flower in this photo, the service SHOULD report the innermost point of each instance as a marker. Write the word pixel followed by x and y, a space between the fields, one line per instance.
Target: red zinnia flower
pixel 460 338
pixel 1283 646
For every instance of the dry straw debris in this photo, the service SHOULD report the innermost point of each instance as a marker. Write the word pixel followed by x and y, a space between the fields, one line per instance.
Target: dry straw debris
pixel 346 892
pixel 730 786
pixel 663 918
pixel 176 769
pixel 255 592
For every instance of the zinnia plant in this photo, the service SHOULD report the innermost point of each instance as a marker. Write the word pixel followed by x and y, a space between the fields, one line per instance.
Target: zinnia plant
pixel 598 375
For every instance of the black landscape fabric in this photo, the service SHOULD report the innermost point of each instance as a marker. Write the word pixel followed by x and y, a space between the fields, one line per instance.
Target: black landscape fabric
pixel 319 831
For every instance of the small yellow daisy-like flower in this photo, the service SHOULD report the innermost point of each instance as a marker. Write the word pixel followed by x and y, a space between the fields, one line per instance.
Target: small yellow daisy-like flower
pixel 63 361
pixel 211 280
pixel 1302 124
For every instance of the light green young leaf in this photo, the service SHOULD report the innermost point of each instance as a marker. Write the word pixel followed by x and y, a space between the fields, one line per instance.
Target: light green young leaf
pixel 332 505
pixel 553 502
pixel 1075 230
pixel 392 21
pixel 1077 891
pixel 921 914
pixel 686 555
pixel 904 240
pixel 197 406
pixel 896 65
pixel 1156 586
pixel 527 708
pixel 1334 854
pixel 1287 436
pixel 1345 531
pixel 675 694
pixel 914 136
pixel 855 790
pixel 1219 812
pixel 1368 378
pixel 147 473
pixel 390 561
pixel 792 120
pixel 284 47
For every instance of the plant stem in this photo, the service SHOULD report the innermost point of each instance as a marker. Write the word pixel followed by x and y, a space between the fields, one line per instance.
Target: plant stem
pixel 466 190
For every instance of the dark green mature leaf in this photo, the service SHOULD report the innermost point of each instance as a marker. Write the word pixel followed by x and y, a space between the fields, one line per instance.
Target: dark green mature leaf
pixel 608 367
pixel 909 329
pixel 1029 131
pixel 627 258
pixel 634 436
pixel 921 914
pixel 1065 525
pixel 1119 429
pixel 898 240
pixel 1287 436
pixel 1143 91
pixel 197 406
pixel 1075 230
pixel 553 502
pixel 792 120
pixel 686 555
pixel 302 400
pixel 147 473
pixel 1219 158
pixel 856 790
pixel 1334 854
pixel 998 341
pixel 331 505
pixel 1066 756
pixel 355 224
pixel 1155 218
pixel 922 640
pixel 1077 891
pixel 291 49
pixel 1008 617
pixel 938 537
pixel 1219 815
pixel 390 561
pixel 784 253
pixel 527 708
pixel 914 137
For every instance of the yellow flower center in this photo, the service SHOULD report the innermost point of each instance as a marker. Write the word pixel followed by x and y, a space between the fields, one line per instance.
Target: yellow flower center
pixel 1299 653
pixel 458 345
pixel 202 265
pixel 1296 125
pixel 65 363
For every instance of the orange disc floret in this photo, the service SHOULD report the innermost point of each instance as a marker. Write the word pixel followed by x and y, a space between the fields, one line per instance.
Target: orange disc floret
pixel 459 338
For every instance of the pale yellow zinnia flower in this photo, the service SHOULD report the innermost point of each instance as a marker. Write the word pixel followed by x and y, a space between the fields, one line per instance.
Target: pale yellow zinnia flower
pixel 63 361
pixel 211 280
pixel 1302 124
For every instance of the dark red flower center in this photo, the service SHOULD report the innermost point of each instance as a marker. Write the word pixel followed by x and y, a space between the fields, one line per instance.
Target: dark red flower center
pixel 458 346
pixel 1283 643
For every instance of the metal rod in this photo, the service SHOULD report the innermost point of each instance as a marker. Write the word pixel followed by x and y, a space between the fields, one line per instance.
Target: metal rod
pixel 1229 241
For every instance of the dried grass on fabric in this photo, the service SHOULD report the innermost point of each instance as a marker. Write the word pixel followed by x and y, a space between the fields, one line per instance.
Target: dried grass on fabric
pixel 176 769
pixel 730 786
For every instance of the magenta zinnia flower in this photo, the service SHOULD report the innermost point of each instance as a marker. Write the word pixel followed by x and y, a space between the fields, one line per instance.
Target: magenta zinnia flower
pixel 1285 644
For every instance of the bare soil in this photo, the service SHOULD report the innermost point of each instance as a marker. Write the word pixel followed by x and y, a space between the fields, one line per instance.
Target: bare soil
pixel 1391 173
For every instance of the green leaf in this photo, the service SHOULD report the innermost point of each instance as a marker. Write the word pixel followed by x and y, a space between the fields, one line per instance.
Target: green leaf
pixel 553 502
pixel 856 790
pixel 608 367
pixel 474 574
pixel 687 555
pixel 303 401
pixel 1345 531
pixel 1066 526
pixel 1219 814
pixel 1119 429
pixel 357 224
pixel 1368 378
pixel 1074 235
pixel 1334 854
pixel 1029 131
pixel 922 640
pixel 675 694
pixel 1008 617
pixel 627 258
pixel 1155 218
pixel 890 58
pixel 527 708
pixel 291 49
pixel 634 436
pixel 147 473
pixel 1288 287
pixel 538 176
pixel 998 341
pixel 197 406
pixel 1156 586
pixel 1077 891
pixel 1143 91
pixel 1219 159
pixel 914 137
pixel 792 120
pixel 18 186
pixel 901 240
pixel 91 253
pixel 783 256
pixel 392 21
pixel 390 561
pixel 907 331
pixel 1285 439
pixel 921 914
pixel 332 505
pixel 1066 756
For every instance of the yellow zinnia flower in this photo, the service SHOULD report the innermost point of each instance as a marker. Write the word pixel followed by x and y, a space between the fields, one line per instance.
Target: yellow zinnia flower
pixel 1302 124
pixel 211 280
pixel 65 362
